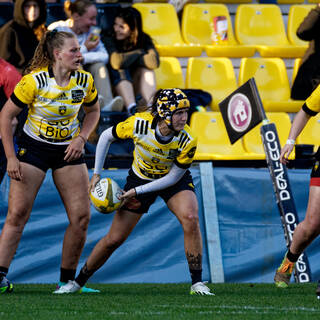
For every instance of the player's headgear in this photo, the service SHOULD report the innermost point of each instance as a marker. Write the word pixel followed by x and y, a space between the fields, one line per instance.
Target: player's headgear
pixel 169 101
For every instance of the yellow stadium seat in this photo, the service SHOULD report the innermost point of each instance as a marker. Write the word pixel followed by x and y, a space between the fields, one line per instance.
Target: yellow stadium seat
pixel 215 75
pixel 197 27
pixel 310 133
pixel 161 22
pixel 169 74
pixel 272 81
pixel 252 141
pixel 296 15
pixel 289 1
pixel 213 141
pixel 262 25
pixel 313 1
pixel 296 66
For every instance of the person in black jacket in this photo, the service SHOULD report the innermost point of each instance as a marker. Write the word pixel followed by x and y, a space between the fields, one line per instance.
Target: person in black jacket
pixel 21 35
pixel 132 58
pixel 308 76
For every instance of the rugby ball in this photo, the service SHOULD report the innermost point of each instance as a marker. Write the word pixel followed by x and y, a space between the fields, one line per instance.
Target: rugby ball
pixel 104 196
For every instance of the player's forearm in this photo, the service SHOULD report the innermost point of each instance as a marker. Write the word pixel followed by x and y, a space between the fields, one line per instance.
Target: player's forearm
pixel 6 133
pixel 90 120
pixel 174 175
pixel 102 149
pixel 298 124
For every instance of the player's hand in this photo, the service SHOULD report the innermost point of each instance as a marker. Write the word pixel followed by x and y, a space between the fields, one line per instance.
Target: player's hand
pixel 74 149
pixel 94 180
pixel 14 169
pixel 91 44
pixel 285 152
pixel 127 196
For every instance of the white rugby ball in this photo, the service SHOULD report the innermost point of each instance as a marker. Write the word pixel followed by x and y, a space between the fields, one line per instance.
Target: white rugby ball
pixel 104 196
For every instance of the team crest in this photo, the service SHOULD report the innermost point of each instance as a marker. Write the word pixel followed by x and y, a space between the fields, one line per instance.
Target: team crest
pixel 22 151
pixel 62 110
pixel 191 152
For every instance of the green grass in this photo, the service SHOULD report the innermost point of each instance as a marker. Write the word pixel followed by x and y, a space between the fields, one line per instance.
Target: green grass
pixel 162 301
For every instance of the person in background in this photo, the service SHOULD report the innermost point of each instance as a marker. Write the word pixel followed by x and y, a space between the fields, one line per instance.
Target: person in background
pixel 309 228
pixel 9 77
pixel 164 150
pixel 53 90
pixel 82 22
pixel 20 36
pixel 308 75
pixel 133 58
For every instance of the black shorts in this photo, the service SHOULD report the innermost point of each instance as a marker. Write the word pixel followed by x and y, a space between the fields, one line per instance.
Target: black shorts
pixel 43 155
pixel 146 200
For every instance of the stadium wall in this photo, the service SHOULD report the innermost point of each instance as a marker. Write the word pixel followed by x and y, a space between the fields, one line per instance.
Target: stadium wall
pixel 240 223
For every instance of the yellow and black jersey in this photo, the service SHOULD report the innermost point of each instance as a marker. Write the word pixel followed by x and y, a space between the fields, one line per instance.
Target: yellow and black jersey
pixel 53 110
pixel 153 159
pixel 312 104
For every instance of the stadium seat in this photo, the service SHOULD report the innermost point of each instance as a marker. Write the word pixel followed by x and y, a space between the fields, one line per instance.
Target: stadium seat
pixel 229 1
pixel 289 1
pixel 262 25
pixel 55 12
pixel 169 74
pixel 201 16
pixel 252 140
pixel 106 14
pixel 272 81
pixel 6 12
pixel 213 140
pixel 296 15
pixel 215 75
pixel 296 66
pixel 161 22
pixel 310 133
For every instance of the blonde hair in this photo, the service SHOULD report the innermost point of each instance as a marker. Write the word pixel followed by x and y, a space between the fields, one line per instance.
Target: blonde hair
pixel 43 55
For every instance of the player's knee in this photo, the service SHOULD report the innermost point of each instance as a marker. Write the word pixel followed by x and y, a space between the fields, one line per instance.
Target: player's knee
pixel 190 222
pixel 113 243
pixel 17 218
pixel 81 222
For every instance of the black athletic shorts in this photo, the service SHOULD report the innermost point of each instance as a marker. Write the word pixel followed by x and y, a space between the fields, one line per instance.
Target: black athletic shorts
pixel 144 201
pixel 43 155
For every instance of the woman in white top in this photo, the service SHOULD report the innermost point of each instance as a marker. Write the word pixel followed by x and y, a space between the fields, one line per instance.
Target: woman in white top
pixel 82 21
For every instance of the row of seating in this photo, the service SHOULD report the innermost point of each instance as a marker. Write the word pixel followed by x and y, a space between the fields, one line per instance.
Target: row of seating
pixel 244 1
pixel 258 27
pixel 216 75
pixel 214 144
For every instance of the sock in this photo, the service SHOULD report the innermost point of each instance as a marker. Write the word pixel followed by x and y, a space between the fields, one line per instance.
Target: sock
pixel 3 272
pixel 196 276
pixel 84 275
pixel 67 274
pixel 293 257
pixel 132 108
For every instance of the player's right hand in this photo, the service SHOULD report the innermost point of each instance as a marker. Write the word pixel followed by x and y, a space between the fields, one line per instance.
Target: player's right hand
pixel 14 169
pixel 285 153
pixel 94 180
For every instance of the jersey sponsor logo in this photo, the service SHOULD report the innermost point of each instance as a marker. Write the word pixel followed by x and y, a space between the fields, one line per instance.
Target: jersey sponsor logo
pixel 62 96
pixel 77 95
pixel 191 152
pixel 158 151
pixel 42 80
pixel 142 126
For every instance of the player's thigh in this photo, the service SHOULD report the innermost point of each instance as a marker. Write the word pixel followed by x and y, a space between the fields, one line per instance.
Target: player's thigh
pixel 22 193
pixel 72 183
pixel 313 211
pixel 184 205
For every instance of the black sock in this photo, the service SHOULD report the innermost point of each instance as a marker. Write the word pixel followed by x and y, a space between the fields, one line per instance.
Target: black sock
pixel 84 275
pixel 67 274
pixel 293 257
pixel 196 276
pixel 3 272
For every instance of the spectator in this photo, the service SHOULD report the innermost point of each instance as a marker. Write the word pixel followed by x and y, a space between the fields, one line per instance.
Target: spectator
pixel 132 58
pixel 82 20
pixel 9 77
pixel 308 76
pixel 20 36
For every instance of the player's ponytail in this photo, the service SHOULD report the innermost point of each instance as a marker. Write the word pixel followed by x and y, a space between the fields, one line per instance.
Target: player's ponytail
pixel 43 55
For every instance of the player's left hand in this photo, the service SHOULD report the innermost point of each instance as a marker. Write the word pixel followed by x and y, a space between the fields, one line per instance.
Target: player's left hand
pixel 74 149
pixel 127 196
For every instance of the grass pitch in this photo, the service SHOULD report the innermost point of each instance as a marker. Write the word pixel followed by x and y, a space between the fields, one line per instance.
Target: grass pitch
pixel 162 301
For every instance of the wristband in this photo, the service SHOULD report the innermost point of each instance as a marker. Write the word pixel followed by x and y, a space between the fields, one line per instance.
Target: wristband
pixel 83 138
pixel 291 141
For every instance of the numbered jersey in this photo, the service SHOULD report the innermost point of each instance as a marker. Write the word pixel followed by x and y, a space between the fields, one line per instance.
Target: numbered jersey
pixel 53 110
pixel 153 159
